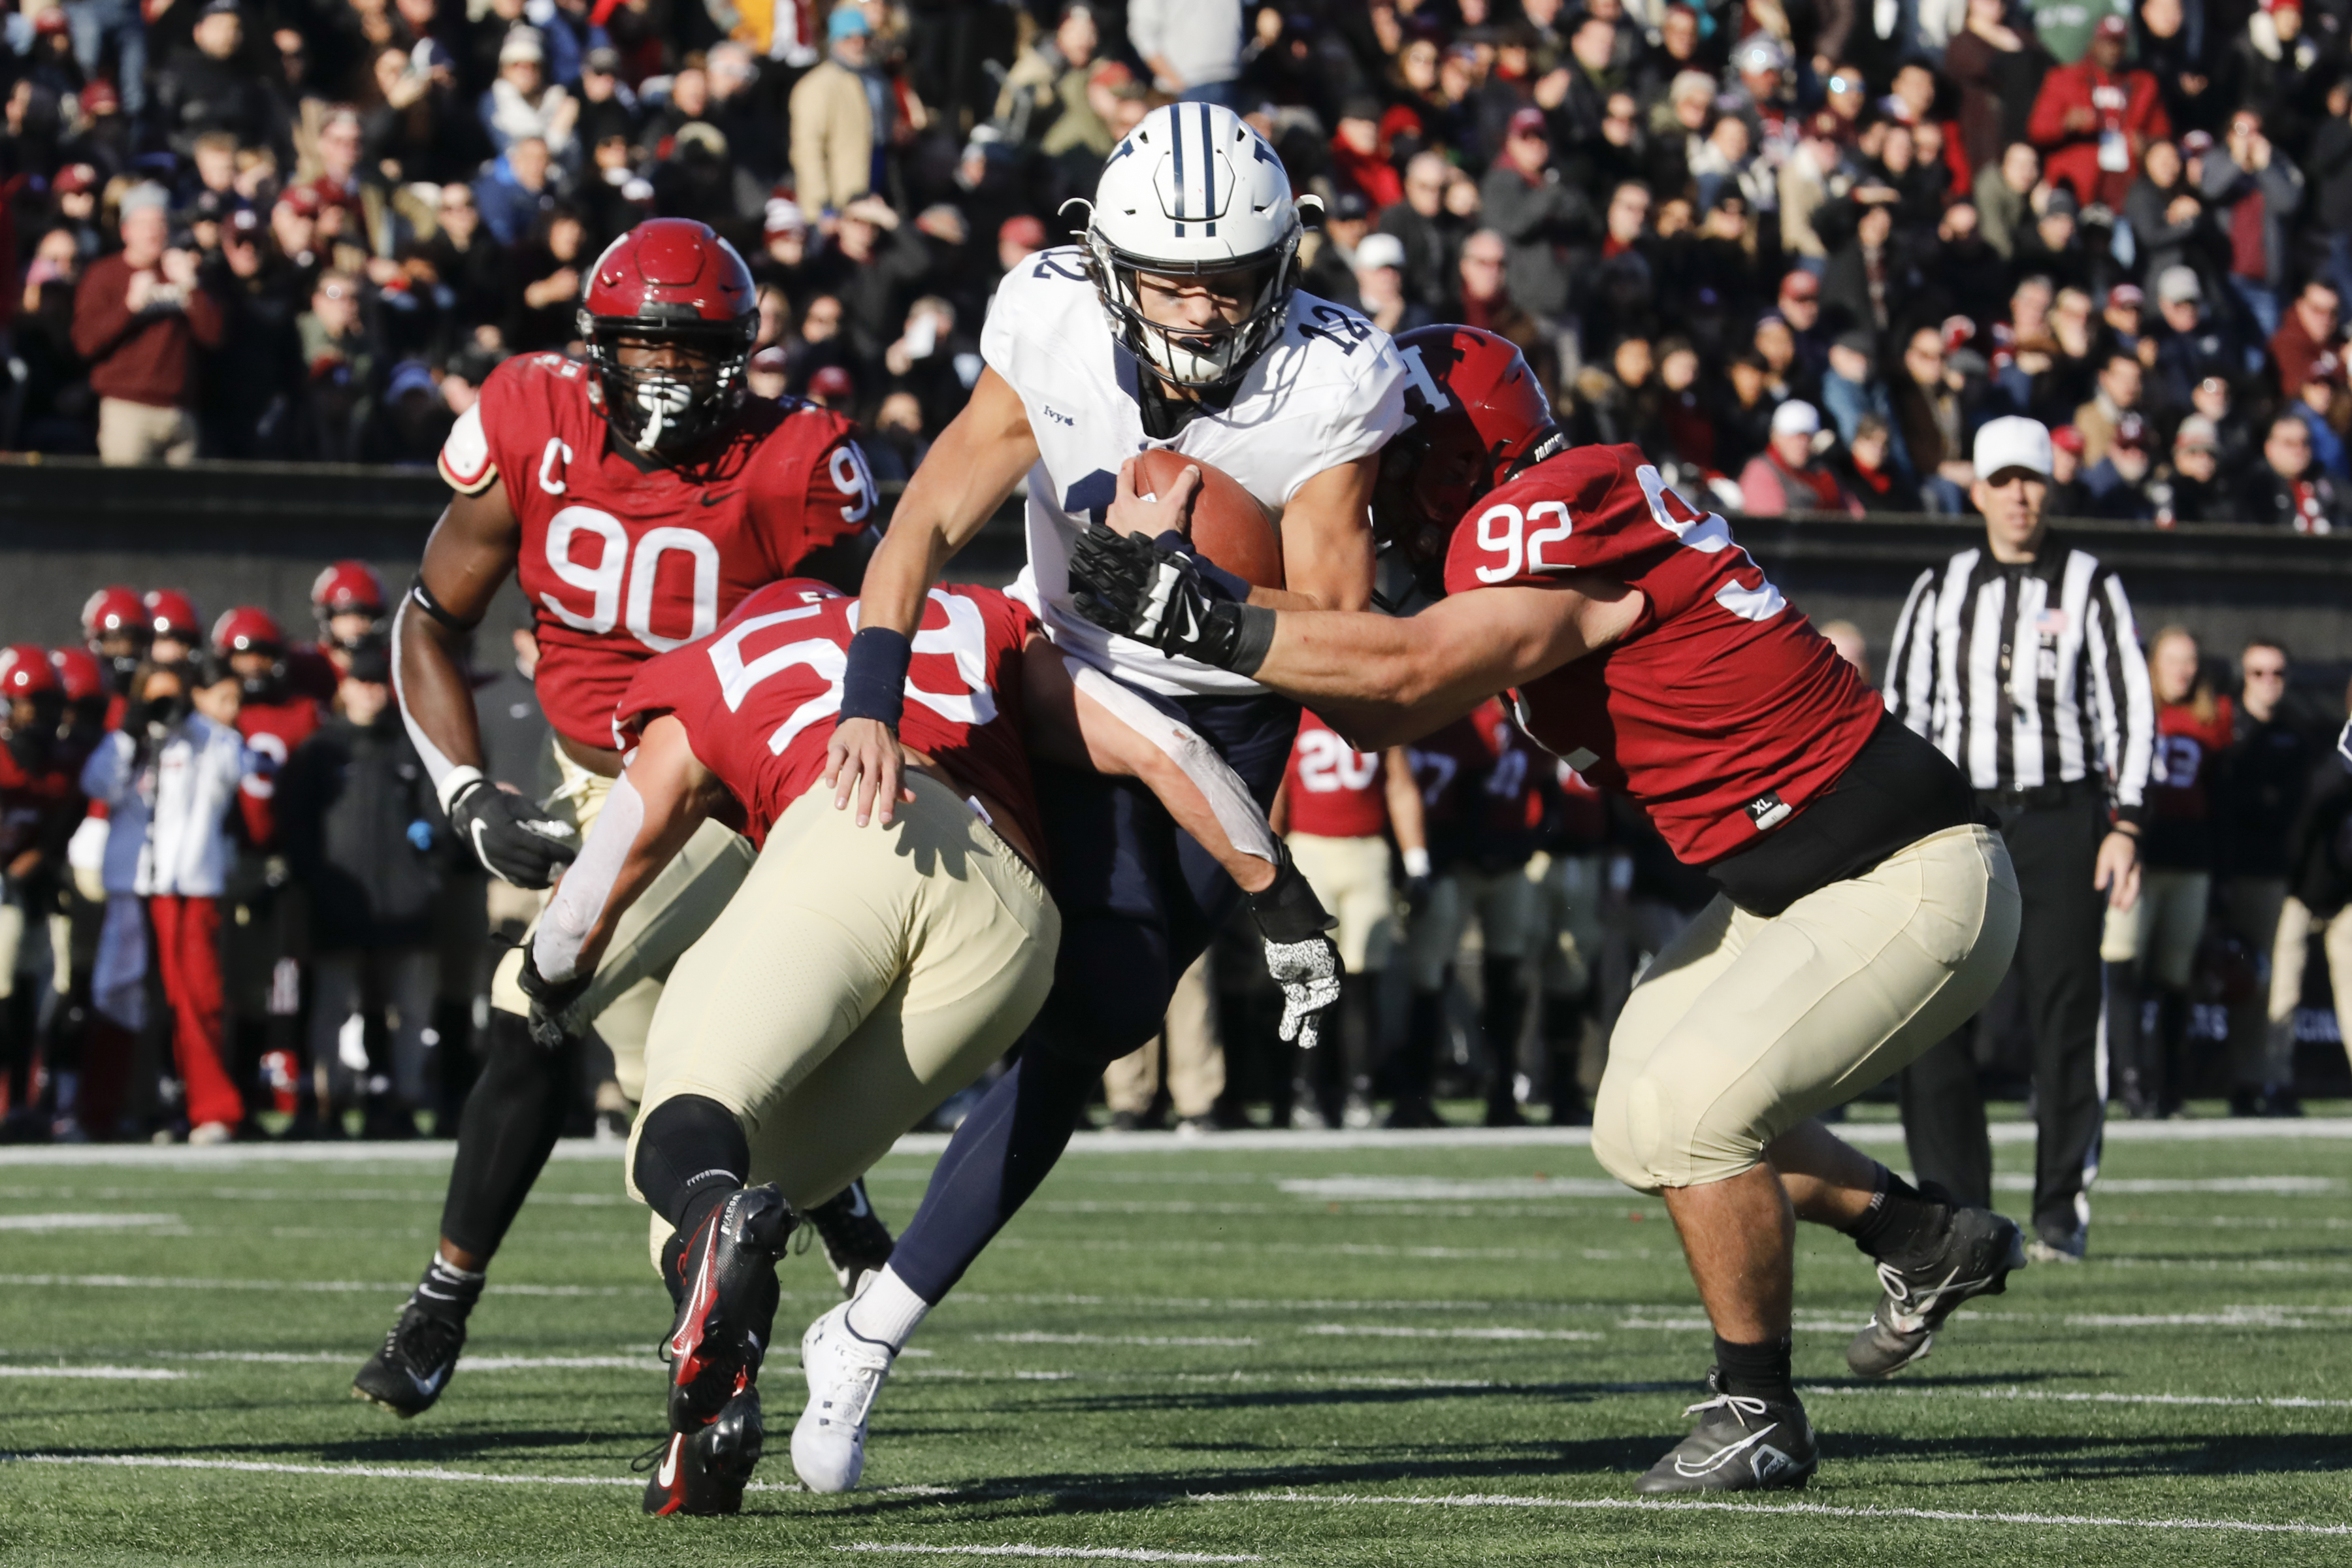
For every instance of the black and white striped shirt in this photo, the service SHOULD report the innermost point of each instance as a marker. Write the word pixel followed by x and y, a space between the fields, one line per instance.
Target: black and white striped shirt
pixel 2027 675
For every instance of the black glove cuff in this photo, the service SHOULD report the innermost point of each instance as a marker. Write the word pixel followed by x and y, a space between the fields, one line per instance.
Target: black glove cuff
pixel 874 681
pixel 1220 583
pixel 1253 637
pixel 1289 910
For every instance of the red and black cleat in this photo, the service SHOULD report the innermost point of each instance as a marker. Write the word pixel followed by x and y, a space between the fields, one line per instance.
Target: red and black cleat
pixel 722 1326
pixel 705 1471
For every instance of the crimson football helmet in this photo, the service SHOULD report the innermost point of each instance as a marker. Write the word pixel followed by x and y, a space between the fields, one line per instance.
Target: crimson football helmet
pixel 171 613
pixel 248 628
pixel 347 588
pixel 1479 417
pixel 670 280
pixel 25 671
pixel 78 674
pixel 116 611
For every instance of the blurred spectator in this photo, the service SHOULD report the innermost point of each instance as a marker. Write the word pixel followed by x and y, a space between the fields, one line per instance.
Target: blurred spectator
pixel 1049 79
pixel 1999 72
pixel 2118 395
pixel 2193 489
pixel 2253 192
pixel 1431 235
pixel 2258 799
pixel 169 779
pixel 1379 286
pixel 360 826
pixel 210 86
pixel 516 190
pixel 1787 475
pixel 139 316
pixel 1524 202
pixel 1852 388
pixel 839 118
pixel 2118 482
pixel 1868 467
pixel 2286 487
pixel 1192 47
pixel 2093 120
pixel 2308 332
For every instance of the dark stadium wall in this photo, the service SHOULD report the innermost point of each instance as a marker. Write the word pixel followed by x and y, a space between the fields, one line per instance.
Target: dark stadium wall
pixel 258 533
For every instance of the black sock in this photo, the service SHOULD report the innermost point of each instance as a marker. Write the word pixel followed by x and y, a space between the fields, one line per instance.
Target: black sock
pixel 447 1291
pixel 1756 1372
pixel 690 1150
pixel 505 1134
pixel 1903 1225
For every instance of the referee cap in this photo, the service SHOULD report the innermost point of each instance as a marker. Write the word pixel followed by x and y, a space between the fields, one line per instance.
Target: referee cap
pixel 2012 442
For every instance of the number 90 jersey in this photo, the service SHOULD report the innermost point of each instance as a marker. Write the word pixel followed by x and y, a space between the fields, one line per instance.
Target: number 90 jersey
pixel 621 562
pixel 759 697
pixel 1328 389
pixel 1723 712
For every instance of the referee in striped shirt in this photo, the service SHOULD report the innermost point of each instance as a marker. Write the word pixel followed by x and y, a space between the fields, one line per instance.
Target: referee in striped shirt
pixel 2019 660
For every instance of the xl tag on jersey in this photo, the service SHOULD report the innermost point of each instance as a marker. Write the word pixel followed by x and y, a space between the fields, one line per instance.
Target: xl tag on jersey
pixel 1768 811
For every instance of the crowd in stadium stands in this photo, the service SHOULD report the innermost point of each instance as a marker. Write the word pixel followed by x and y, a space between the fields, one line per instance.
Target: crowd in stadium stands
pixel 230 903
pixel 1798 249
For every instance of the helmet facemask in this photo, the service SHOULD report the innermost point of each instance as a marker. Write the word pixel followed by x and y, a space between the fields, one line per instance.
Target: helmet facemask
pixel 1197 359
pixel 669 408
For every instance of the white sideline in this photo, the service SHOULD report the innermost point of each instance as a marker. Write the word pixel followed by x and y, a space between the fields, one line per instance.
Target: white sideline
pixel 1954 1516
pixel 2054 1397
pixel 1116 1554
pixel 1262 1140
pixel 102 1374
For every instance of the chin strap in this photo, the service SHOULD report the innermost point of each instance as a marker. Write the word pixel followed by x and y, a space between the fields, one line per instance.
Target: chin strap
pixel 1551 444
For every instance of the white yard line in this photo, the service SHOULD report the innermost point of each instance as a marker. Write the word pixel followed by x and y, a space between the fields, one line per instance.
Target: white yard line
pixel 1953 1516
pixel 41 1222
pixel 1269 1140
pixel 330 1287
pixel 98 1373
pixel 1113 1553
pixel 1386 1331
pixel 2051 1396
pixel 1040 1338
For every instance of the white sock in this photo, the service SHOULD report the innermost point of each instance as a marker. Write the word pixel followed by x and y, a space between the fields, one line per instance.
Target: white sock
pixel 886 1312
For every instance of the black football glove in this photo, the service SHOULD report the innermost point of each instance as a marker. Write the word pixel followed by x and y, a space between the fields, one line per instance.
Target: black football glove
pixel 1299 952
pixel 1128 585
pixel 509 837
pixel 550 1001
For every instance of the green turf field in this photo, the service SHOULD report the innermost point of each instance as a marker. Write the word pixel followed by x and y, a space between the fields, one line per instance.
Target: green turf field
pixel 1365 1351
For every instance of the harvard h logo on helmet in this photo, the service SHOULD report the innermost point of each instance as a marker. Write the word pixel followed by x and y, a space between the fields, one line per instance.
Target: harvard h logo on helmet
pixel 1192 192
pixel 670 280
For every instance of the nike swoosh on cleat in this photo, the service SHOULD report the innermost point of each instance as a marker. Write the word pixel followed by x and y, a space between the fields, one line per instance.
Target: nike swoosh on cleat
pixel 1722 1457
pixel 667 1475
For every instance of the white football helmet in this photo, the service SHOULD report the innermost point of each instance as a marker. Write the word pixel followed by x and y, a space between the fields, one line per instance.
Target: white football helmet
pixel 1194 191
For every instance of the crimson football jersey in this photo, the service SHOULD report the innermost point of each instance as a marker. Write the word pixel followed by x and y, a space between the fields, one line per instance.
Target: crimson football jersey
pixel 1333 790
pixel 1722 712
pixel 759 697
pixel 621 562
pixel 39 803
pixel 271 732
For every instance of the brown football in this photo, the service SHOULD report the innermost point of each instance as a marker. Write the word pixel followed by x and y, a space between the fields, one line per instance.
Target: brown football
pixel 1229 526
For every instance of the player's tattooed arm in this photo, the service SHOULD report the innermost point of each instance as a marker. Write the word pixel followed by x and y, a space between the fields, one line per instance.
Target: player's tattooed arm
pixel 980 457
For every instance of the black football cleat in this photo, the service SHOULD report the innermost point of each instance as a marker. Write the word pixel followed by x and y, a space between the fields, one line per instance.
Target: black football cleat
pixel 1980 1250
pixel 856 1242
pixel 414 1366
pixel 705 1471
pixel 721 1329
pixel 1740 1445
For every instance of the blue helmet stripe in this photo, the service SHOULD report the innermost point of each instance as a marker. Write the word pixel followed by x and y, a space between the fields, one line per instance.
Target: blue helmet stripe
pixel 1208 165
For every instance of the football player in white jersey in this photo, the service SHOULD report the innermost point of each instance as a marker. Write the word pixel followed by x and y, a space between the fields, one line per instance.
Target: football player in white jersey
pixel 1178 322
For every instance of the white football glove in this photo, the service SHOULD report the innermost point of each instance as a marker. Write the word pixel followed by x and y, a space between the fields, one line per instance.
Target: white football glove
pixel 1308 974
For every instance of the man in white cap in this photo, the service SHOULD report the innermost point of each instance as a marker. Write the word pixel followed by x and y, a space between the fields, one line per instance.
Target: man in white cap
pixel 1379 286
pixel 2019 660
pixel 1786 476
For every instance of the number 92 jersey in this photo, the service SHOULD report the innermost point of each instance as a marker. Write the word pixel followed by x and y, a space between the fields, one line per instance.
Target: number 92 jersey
pixel 1723 712
pixel 1328 389
pixel 621 562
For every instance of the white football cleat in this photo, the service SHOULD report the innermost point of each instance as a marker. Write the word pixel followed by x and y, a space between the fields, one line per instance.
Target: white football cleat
pixel 845 1374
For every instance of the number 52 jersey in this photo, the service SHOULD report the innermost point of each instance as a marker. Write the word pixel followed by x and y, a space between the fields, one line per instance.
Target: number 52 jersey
pixel 759 698
pixel 621 562
pixel 1327 390
pixel 1722 712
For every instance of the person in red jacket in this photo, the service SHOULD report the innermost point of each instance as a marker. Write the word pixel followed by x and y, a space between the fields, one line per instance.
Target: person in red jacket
pixel 138 317
pixel 2092 120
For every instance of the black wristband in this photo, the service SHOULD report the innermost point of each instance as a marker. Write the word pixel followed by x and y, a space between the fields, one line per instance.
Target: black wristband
pixel 422 597
pixel 1252 637
pixel 874 681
